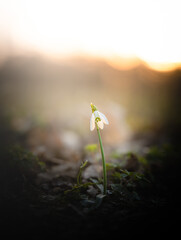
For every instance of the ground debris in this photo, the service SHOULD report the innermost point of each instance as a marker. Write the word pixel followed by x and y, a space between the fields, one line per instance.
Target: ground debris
pixel 141 194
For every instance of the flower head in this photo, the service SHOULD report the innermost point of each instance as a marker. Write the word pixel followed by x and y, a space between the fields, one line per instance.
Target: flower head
pixel 97 118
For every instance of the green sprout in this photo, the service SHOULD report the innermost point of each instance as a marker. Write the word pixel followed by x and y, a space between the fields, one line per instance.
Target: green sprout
pixel 98 119
pixel 91 148
pixel 79 176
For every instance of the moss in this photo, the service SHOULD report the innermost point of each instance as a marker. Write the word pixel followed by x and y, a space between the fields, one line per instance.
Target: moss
pixel 25 161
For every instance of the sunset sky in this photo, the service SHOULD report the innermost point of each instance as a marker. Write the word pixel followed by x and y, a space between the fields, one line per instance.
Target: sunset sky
pixel 147 29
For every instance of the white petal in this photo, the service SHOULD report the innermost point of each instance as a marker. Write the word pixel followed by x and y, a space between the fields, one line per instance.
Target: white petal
pixel 100 124
pixel 96 114
pixel 103 118
pixel 92 122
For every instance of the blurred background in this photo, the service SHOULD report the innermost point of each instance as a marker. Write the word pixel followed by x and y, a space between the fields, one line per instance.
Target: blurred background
pixel 59 56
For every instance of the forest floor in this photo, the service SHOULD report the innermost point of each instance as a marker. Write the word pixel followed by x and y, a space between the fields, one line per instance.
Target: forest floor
pixel 142 195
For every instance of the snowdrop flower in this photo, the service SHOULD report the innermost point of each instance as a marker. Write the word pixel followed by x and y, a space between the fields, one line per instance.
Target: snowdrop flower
pixel 97 117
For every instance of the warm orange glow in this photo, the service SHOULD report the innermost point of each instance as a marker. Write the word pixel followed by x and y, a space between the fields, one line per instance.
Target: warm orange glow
pixel 126 63
pixel 123 63
pixel 165 66
pixel 149 30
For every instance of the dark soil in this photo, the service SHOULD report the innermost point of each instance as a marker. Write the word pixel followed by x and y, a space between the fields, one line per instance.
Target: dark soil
pixel 57 207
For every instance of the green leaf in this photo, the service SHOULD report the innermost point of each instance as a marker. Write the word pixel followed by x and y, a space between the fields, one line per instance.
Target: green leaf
pixel 98 184
pixel 93 148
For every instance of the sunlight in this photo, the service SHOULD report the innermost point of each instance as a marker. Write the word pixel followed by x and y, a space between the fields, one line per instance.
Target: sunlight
pixel 146 29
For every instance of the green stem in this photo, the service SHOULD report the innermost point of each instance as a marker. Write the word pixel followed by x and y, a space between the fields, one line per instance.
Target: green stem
pixel 79 177
pixel 103 161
